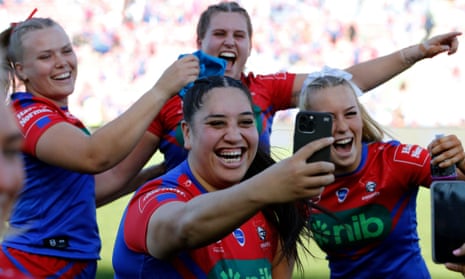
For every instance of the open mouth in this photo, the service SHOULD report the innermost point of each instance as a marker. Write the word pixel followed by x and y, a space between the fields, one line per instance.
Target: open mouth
pixel 230 57
pixel 62 76
pixel 230 156
pixel 344 145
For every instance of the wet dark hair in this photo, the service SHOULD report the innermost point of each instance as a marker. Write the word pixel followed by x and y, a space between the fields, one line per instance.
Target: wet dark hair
pixel 289 219
pixel 11 43
pixel 227 7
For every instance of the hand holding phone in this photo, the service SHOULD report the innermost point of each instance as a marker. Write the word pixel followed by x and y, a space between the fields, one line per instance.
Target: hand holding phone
pixel 310 126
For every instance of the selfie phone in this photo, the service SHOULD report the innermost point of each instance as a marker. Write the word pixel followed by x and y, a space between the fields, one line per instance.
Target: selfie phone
pixel 448 219
pixel 310 126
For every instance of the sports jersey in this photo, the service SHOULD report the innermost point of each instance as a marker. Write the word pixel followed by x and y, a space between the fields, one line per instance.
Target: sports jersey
pixel 55 214
pixel 247 252
pixel 270 93
pixel 373 233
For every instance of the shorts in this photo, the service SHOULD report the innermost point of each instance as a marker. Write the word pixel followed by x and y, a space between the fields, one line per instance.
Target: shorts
pixel 39 266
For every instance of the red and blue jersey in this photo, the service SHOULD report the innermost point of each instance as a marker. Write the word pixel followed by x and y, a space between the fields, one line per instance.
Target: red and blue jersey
pixel 55 214
pixel 246 252
pixel 374 231
pixel 270 93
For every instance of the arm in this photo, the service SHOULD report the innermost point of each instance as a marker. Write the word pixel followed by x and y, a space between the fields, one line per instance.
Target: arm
pixel 66 146
pixel 127 176
pixel 370 74
pixel 177 226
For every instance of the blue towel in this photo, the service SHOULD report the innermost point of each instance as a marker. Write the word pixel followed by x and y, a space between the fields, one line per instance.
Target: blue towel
pixel 209 66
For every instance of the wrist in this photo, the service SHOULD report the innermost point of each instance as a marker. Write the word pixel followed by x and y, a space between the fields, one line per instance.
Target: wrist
pixel 412 54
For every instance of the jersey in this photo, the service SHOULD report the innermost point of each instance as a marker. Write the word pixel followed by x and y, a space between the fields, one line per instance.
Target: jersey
pixel 373 232
pixel 247 252
pixel 55 214
pixel 270 93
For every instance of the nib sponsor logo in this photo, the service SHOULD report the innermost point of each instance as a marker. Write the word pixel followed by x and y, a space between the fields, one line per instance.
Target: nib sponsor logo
pixel 351 228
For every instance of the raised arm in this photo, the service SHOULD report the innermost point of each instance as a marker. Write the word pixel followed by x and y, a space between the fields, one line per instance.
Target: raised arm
pixel 66 146
pixel 368 75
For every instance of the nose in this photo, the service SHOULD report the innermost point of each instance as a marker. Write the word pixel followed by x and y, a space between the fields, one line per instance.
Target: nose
pixel 229 40
pixel 60 61
pixel 339 125
pixel 233 134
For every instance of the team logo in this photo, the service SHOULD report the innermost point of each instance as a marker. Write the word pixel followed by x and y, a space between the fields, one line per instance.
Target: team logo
pixel 342 194
pixel 239 236
pixel 370 186
pixel 261 233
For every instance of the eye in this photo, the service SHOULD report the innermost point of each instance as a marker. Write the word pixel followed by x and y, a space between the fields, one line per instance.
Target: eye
pixel 44 56
pixel 247 122
pixel 216 123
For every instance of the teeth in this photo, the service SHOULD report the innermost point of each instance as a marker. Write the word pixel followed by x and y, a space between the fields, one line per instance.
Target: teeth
pixel 345 141
pixel 231 154
pixel 62 76
pixel 228 55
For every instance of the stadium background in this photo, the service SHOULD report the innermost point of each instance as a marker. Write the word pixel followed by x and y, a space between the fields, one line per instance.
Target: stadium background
pixel 124 45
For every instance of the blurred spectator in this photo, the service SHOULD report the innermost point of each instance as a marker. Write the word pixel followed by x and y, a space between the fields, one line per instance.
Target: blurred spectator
pixel 123 44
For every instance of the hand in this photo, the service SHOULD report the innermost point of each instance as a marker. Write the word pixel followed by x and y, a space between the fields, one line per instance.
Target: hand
pixel 179 74
pixel 441 43
pixel 458 267
pixel 293 178
pixel 447 151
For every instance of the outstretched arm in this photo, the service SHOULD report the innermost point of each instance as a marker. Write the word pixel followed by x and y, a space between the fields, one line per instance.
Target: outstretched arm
pixel 368 75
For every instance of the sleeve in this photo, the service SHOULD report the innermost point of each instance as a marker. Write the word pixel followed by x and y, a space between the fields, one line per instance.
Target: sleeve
pixel 34 119
pixel 141 208
pixel 273 90
pixel 414 162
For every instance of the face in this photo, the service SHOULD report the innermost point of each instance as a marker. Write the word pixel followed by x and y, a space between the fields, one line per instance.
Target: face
pixel 227 37
pixel 347 125
pixel 223 138
pixel 11 166
pixel 49 65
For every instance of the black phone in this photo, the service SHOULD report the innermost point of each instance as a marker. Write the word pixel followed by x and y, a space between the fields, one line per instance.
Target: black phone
pixel 448 219
pixel 310 126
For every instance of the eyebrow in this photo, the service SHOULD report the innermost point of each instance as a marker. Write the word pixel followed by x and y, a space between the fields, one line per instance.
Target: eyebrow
pixel 247 113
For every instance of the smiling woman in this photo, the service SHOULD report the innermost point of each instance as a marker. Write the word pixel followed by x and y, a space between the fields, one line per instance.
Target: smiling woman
pixel 220 212
pixel 68 169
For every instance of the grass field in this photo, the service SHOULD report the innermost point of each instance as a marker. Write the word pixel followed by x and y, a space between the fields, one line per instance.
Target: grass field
pixel 316 268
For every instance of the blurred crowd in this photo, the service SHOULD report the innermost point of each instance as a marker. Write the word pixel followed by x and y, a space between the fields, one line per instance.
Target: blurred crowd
pixel 123 45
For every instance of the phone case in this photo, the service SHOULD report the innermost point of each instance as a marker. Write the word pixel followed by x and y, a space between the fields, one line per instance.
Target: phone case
pixel 310 126
pixel 448 219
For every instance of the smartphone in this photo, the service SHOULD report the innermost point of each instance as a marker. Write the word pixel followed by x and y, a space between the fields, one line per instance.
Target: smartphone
pixel 448 219
pixel 310 126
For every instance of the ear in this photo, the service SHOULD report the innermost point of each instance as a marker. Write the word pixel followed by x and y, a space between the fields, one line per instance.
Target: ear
pixel 199 43
pixel 187 135
pixel 19 70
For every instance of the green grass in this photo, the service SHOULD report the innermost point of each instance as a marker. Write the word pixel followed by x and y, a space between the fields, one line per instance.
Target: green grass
pixel 315 268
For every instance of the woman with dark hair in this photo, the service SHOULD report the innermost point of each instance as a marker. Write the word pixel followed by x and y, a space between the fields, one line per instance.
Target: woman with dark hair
pixel 226 211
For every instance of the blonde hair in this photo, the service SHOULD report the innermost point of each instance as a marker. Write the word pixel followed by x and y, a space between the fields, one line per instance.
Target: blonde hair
pixel 372 130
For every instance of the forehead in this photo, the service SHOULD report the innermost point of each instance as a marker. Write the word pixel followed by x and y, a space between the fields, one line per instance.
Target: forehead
pixel 331 98
pixel 228 21
pixel 226 100
pixel 48 38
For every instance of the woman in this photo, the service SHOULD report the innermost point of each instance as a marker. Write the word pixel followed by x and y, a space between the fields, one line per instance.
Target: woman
pixel 68 169
pixel 199 220
pixel 225 30
pixel 373 198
